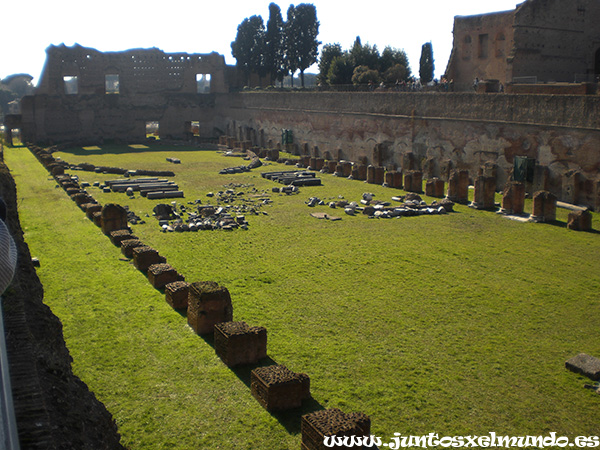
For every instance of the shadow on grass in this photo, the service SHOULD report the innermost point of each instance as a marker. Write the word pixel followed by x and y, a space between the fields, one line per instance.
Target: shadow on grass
pixel 561 224
pixel 291 418
pixel 115 149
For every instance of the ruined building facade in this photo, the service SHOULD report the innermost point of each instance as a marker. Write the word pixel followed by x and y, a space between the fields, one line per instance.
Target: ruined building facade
pixel 543 40
pixel 87 95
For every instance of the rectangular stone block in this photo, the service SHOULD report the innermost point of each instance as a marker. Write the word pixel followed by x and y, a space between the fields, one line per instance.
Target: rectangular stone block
pixel 208 305
pixel 579 221
pixel 237 343
pixel 277 388
pixel 113 217
pixel 513 198
pixel 413 181
pixel 144 257
pixel 128 245
pixel 434 187
pixel 586 365
pixel 161 274
pixel 329 422
pixel 458 186
pixel 176 294
pixel 118 236
pixel 544 207
pixel 484 194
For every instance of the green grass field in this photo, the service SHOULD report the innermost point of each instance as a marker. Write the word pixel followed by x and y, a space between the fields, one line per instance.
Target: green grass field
pixel 457 324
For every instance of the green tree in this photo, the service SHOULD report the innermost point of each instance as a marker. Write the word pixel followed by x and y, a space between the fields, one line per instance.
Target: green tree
pixel 426 67
pixel 340 71
pixel 365 55
pixel 390 57
pixel 275 44
pixel 302 29
pixel 328 54
pixel 366 75
pixel 249 45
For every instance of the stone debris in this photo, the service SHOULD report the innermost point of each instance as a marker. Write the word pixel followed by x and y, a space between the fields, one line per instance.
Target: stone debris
pixel 412 205
pixel 229 211
pixel 293 177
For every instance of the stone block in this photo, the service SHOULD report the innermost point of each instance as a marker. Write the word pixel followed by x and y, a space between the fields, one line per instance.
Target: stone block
pixel 319 164
pixel 544 207
pixel 329 422
pixel 144 257
pixel 580 220
pixel 393 179
pixel 332 166
pixel 176 294
pixel 114 217
pixel 277 388
pixel 118 236
pixel 346 168
pixel 82 198
pixel 434 187
pixel 128 245
pixel 208 305
pixel 513 198
pixel 458 186
pixel 484 194
pixel 413 181
pixel 586 365
pixel 361 172
pixel 97 218
pixel 90 209
pixel 161 274
pixel 237 343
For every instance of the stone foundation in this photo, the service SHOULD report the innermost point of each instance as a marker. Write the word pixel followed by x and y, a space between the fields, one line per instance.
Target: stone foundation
pixel 413 181
pixel 315 426
pixel 458 186
pixel 144 257
pixel 208 305
pixel 237 343
pixel 161 274
pixel 434 187
pixel 113 217
pixel 544 207
pixel 278 388
pixel 484 194
pixel 176 294
pixel 513 198
pixel 580 221
pixel 586 365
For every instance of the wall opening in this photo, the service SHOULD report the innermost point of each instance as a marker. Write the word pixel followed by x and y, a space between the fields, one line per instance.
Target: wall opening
pixel 15 137
pixel 111 83
pixel 203 83
pixel 152 129
pixel 71 85
pixel 483 45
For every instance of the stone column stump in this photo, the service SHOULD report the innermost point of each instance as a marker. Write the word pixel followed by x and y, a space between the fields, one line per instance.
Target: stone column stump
pixel 513 198
pixel 332 166
pixel 484 194
pixel 114 217
pixel 413 181
pixel 237 343
pixel 458 186
pixel 128 245
pixel 145 256
pixel 91 208
pixel 97 218
pixel 176 294
pixel 434 187
pixel 161 274
pixel 208 305
pixel 393 178
pixel 329 422
pixel 580 220
pixel 277 388
pixel 319 163
pixel 361 172
pixel 544 207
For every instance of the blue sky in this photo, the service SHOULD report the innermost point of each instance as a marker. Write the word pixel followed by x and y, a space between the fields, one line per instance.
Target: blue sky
pixel 202 27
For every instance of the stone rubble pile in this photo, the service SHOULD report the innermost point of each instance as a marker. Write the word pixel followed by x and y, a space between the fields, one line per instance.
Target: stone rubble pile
pixel 228 213
pixel 412 205
pixel 293 177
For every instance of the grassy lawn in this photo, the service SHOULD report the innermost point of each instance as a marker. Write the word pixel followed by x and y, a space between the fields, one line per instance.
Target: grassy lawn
pixel 457 324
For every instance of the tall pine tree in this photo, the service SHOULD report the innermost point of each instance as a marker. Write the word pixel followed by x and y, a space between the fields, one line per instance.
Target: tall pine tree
pixel 426 67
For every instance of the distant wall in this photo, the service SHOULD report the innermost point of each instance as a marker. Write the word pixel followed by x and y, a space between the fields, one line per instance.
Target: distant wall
pixel 463 130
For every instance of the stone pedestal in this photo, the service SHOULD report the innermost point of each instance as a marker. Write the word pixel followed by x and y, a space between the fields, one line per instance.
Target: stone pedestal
pixel 346 168
pixel 434 188
pixel 113 217
pixel 329 422
pixel 544 207
pixel 484 194
pixel 278 388
pixel 458 186
pixel 571 183
pixel 176 294
pixel 580 221
pixel 144 257
pixel 413 181
pixel 331 166
pixel 208 305
pixel 91 208
pixel 319 163
pixel 161 274
pixel 513 198
pixel 237 343
pixel 361 172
